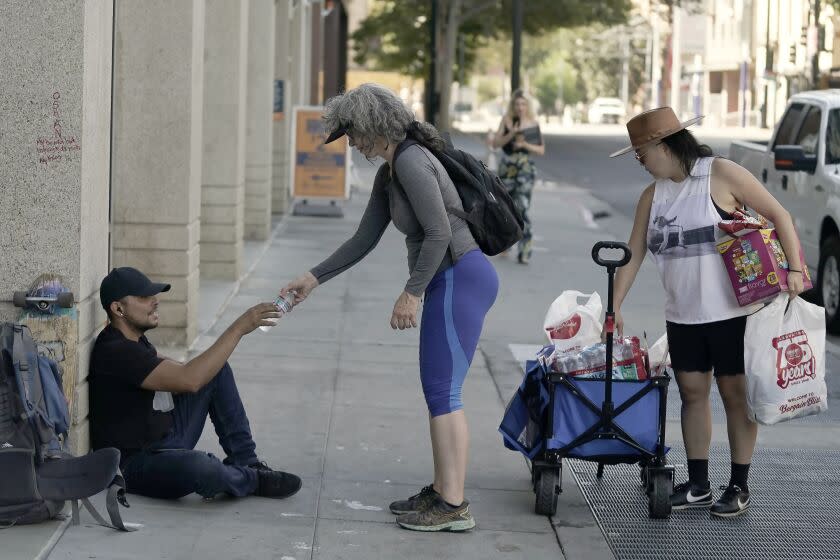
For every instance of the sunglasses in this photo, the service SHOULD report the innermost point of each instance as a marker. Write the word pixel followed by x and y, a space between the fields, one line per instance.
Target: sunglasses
pixel 640 157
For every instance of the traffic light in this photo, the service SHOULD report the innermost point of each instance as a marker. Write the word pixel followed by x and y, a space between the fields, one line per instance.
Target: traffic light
pixel 792 54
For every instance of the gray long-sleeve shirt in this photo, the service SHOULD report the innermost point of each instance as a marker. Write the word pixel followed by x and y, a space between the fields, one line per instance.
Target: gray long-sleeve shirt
pixel 416 201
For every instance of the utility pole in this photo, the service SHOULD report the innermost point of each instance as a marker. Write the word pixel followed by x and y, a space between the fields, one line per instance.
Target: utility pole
pixel 625 66
pixel 461 62
pixel 815 59
pixel 655 65
pixel 768 67
pixel 676 59
pixel 516 59
pixel 431 81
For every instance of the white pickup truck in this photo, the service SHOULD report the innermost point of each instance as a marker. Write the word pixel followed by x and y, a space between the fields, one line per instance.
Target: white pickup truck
pixel 800 166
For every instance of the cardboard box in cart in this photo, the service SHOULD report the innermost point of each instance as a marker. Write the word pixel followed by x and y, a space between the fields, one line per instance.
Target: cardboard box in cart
pixel 757 265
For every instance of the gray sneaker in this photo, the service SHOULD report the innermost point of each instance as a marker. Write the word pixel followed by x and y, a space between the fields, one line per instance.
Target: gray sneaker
pixel 439 517
pixel 417 502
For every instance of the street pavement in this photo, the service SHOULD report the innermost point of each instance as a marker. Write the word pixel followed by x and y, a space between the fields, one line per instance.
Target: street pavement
pixel 333 394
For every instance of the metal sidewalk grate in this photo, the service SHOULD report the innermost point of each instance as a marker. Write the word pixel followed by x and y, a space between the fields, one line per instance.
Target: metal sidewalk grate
pixel 795 511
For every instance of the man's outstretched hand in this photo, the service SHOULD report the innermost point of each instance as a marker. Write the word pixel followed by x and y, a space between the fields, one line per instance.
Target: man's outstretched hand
pixel 262 314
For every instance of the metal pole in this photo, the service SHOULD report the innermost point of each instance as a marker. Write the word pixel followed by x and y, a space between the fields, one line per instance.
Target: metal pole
pixel 815 60
pixel 517 45
pixel 676 59
pixel 461 55
pixel 625 67
pixel 432 79
pixel 765 108
pixel 655 66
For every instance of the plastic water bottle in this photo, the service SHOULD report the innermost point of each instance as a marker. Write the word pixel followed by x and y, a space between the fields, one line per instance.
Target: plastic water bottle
pixel 283 305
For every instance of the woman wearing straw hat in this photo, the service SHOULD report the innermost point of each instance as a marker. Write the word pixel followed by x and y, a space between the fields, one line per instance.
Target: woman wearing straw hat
pixel 676 220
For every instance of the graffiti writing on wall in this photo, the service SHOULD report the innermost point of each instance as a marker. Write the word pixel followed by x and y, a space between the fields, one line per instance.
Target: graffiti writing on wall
pixel 60 146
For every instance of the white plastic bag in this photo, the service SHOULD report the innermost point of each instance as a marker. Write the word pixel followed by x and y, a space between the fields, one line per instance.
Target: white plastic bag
pixel 659 357
pixel 785 361
pixel 571 326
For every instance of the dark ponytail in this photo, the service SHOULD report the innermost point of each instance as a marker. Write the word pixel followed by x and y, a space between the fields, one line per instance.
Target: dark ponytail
pixel 427 135
pixel 687 149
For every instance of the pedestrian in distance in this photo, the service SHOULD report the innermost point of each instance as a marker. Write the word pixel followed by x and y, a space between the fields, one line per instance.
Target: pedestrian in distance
pixel 133 409
pixel 519 137
pixel 447 270
pixel 692 192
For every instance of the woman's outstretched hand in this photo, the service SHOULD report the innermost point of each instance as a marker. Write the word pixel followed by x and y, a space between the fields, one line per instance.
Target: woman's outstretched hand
pixel 301 287
pixel 405 311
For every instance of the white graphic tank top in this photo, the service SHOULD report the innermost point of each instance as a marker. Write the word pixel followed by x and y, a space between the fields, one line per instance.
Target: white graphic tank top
pixel 682 235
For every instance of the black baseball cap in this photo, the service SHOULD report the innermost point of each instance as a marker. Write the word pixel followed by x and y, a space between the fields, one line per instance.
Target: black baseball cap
pixel 337 133
pixel 127 281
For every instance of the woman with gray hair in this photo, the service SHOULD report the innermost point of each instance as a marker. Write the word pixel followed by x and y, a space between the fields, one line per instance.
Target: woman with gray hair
pixel 446 268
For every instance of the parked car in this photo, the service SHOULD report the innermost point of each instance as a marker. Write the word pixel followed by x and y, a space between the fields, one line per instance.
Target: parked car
pixel 461 111
pixel 606 110
pixel 800 166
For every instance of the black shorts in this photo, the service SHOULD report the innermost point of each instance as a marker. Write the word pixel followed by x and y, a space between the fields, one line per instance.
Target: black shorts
pixel 717 346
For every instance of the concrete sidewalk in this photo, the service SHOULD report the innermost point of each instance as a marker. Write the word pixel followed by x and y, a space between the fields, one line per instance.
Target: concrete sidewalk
pixel 333 394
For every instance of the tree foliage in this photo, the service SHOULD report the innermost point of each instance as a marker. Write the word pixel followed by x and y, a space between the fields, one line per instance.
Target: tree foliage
pixel 395 35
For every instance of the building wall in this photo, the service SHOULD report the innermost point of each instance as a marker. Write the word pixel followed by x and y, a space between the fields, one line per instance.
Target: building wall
pixel 55 105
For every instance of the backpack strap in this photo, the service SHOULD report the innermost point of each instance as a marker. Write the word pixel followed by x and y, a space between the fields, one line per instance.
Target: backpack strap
pixel 20 361
pixel 407 143
pixel 113 499
pixel 78 478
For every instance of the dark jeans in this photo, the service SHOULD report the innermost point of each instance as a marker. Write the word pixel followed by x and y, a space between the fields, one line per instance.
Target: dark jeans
pixel 172 468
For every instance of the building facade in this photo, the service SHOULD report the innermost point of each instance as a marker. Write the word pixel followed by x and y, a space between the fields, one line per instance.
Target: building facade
pixel 152 135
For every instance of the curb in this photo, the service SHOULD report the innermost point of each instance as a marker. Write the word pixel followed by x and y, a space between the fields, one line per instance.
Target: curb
pixel 56 536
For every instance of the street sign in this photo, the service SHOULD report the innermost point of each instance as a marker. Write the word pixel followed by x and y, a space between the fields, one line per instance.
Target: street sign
pixel 318 171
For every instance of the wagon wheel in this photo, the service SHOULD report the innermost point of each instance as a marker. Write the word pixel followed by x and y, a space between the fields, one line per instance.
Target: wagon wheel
pixel 661 484
pixel 547 490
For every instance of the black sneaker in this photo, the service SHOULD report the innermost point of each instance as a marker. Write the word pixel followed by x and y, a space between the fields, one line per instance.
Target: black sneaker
pixel 439 516
pixel 732 503
pixel 416 502
pixel 260 466
pixel 276 484
pixel 687 496
pixel 256 465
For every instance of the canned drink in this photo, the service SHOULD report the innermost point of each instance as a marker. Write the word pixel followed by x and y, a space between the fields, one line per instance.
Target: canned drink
pixel 283 305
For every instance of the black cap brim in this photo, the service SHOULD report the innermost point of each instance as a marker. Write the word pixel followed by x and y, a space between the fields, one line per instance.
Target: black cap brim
pixel 155 288
pixel 335 135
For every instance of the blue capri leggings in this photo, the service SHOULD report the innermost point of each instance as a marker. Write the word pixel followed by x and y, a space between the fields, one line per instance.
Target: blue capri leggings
pixel 457 299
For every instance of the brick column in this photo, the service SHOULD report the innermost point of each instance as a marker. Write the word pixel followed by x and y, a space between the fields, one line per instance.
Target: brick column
pixel 55 106
pixel 223 161
pixel 260 101
pixel 157 144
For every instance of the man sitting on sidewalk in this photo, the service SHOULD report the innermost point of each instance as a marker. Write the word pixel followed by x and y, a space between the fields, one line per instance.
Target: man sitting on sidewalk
pixel 132 407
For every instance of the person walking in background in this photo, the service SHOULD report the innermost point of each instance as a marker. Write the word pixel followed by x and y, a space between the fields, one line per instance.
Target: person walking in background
pixel 519 137
pixel 457 282
pixel 692 192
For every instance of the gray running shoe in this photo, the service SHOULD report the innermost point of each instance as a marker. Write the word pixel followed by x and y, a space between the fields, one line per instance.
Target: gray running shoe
pixel 417 502
pixel 439 517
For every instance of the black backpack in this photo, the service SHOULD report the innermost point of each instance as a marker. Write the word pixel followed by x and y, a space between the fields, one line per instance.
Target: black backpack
pixel 493 219
pixel 36 475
